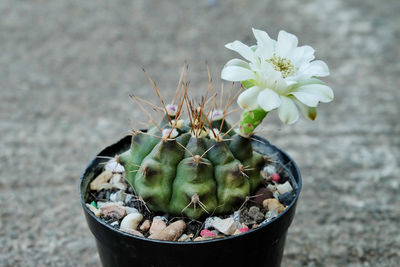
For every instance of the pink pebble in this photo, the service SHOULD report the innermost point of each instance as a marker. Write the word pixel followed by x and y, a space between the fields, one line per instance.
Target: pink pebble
pixel 275 177
pixel 207 233
pixel 244 229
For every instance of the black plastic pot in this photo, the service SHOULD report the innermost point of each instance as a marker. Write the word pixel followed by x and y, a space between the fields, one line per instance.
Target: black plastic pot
pixel 262 246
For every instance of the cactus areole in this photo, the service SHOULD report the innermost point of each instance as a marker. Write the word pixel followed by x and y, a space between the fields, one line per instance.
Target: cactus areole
pixel 194 167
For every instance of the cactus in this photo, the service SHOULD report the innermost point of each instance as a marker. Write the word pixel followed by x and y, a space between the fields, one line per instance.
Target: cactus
pixel 195 167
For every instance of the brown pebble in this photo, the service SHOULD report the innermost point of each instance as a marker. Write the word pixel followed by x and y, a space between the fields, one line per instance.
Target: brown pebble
pixel 145 226
pixel 113 210
pixel 273 204
pixel 254 226
pixel 261 194
pixel 157 225
pixel 171 233
pixel 132 232
pixel 103 178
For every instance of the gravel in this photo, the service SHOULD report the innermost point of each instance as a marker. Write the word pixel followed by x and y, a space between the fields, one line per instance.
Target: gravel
pixel 67 68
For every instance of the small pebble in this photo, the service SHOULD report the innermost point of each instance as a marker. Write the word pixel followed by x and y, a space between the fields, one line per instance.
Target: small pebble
pixel 244 229
pixel 209 221
pixel 93 209
pixel 115 224
pixel 237 232
pixel 132 232
pixel 101 204
pixel 157 225
pixel 103 178
pixel 236 216
pixel 145 226
pixel 275 177
pixel 130 210
pixel 271 214
pixel 93 203
pixel 114 211
pixel 113 166
pixel 171 233
pixel 207 233
pixel 256 214
pixel 131 221
pixel 286 198
pixel 226 226
pixel 185 237
pixel 283 188
pixel 254 226
pixel 261 194
pixel 273 204
pixel 117 196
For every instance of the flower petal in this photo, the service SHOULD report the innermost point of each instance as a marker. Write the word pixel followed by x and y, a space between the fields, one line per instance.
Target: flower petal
pixel 238 62
pixel 306 98
pixel 242 49
pixel 286 43
pixel 235 74
pixel 248 99
pixel 265 45
pixel 302 55
pixel 268 99
pixel 322 92
pixel 288 112
pixel 317 68
pixel 308 112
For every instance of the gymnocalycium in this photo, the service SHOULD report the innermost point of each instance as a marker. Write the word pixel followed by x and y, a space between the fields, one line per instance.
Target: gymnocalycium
pixel 202 165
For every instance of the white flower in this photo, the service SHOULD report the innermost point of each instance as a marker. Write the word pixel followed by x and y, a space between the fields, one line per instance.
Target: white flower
pixel 279 75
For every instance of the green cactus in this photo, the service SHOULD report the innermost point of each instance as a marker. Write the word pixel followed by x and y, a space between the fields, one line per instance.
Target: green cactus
pixel 186 167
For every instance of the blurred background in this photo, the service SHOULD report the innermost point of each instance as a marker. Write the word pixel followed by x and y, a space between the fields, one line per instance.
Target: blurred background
pixel 67 68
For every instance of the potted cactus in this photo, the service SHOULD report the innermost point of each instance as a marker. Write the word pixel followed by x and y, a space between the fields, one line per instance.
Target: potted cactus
pixel 198 190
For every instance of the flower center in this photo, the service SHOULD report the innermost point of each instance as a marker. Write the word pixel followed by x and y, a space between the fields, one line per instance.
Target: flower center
pixel 283 65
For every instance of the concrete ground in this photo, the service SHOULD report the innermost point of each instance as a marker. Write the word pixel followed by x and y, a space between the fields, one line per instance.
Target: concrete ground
pixel 67 67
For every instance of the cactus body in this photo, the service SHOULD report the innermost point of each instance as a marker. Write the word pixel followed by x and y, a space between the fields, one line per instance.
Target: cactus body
pixel 207 176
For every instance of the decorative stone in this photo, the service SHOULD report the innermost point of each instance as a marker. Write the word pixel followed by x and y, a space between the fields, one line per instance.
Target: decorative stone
pixel 207 233
pixel 113 166
pixel 117 196
pixel 131 221
pixel 145 226
pixel 157 225
pixel 132 232
pixel 93 209
pixel 130 210
pixel 286 198
pixel 226 226
pixel 185 237
pixel 256 214
pixel 210 220
pixel 117 181
pixel 275 177
pixel 261 194
pixel 171 233
pixel 244 229
pixel 237 232
pixel 285 187
pixel 113 210
pixel 101 204
pixel 273 204
pixel 103 178
pixel 271 214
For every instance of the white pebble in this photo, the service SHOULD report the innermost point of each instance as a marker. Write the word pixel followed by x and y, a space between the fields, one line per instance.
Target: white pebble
pixel 113 166
pixel 131 221
pixel 117 196
pixel 284 188
pixel 210 221
pixel 226 226
pixel 130 210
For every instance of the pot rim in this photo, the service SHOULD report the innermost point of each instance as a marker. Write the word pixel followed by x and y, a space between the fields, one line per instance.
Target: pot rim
pixel 251 231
